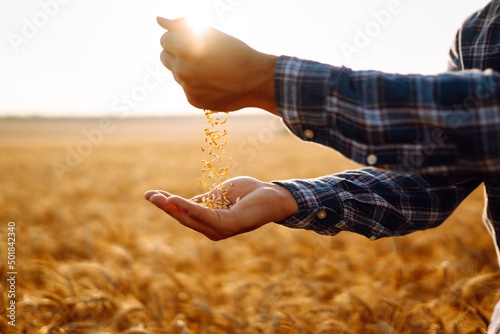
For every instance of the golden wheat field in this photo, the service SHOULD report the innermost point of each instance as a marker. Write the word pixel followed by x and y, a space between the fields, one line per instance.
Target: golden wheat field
pixel 92 256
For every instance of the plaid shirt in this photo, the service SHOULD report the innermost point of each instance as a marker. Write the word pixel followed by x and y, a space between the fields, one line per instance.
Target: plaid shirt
pixel 437 137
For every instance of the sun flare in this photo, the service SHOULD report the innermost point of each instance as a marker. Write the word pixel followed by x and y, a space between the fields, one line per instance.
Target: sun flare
pixel 198 24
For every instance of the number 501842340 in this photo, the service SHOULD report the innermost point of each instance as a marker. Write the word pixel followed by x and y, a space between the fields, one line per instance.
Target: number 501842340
pixel 11 242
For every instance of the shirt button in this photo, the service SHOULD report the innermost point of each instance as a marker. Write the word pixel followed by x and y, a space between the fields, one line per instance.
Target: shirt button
pixel 322 215
pixel 371 159
pixel 309 134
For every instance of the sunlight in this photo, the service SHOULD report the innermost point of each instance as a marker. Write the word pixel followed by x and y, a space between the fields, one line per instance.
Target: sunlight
pixel 32 67
pixel 197 23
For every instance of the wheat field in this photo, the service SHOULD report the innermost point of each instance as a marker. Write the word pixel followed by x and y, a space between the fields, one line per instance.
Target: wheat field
pixel 92 256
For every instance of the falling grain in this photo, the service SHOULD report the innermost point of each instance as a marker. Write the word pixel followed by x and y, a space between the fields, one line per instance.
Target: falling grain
pixel 212 134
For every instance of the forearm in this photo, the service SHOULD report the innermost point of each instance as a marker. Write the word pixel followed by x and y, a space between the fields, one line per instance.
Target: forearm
pixel 261 93
pixel 373 203
pixel 405 123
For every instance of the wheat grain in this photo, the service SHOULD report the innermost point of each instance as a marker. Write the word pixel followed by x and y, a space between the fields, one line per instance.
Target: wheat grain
pixel 81 222
pixel 212 135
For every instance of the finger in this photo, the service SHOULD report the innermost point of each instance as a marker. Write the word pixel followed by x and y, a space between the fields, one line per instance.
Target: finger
pixel 195 211
pixel 169 205
pixel 215 221
pixel 164 193
pixel 161 202
pixel 179 25
pixel 164 23
pixel 173 42
pixel 149 193
pixel 167 60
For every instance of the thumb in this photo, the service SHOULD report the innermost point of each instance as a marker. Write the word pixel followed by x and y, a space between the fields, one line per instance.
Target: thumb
pixel 177 25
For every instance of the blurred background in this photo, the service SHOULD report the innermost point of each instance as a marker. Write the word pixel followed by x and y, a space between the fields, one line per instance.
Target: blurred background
pixel 92 256
pixel 94 58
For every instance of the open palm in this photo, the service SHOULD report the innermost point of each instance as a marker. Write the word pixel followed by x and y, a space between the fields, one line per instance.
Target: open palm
pixel 260 203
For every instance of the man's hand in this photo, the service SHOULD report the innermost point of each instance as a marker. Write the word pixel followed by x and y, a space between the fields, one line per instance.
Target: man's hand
pixel 260 203
pixel 217 72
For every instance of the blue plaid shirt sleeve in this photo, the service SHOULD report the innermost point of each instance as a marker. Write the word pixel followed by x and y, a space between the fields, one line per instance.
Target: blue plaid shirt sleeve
pixel 442 124
pixel 446 126
pixel 374 203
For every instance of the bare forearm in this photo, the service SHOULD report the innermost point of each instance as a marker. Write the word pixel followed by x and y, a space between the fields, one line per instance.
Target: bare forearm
pixel 262 94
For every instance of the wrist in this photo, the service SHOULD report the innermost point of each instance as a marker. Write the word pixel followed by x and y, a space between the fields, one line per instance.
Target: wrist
pixel 262 93
pixel 284 202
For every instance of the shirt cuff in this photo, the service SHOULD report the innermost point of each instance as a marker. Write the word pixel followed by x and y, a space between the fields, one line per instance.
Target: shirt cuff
pixel 301 90
pixel 319 208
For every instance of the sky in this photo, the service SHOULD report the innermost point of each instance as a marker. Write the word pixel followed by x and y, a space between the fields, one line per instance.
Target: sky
pixel 101 58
